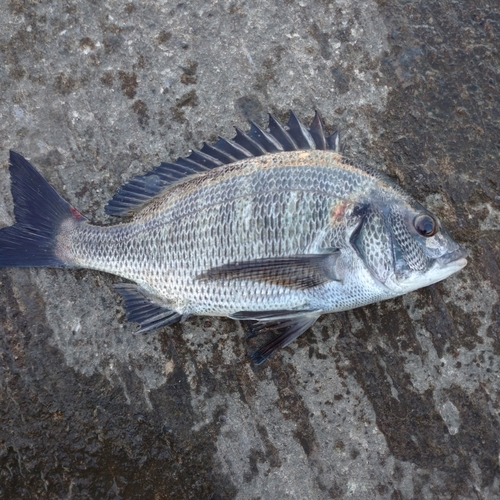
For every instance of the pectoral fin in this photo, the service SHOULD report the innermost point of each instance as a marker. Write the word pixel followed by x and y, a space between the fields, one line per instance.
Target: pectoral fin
pixel 141 308
pixel 291 323
pixel 298 271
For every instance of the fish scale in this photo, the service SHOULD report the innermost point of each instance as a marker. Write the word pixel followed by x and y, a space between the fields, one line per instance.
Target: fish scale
pixel 184 238
pixel 278 238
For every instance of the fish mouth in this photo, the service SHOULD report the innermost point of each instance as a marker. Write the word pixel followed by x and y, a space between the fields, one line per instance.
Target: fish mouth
pixel 442 267
pixel 456 258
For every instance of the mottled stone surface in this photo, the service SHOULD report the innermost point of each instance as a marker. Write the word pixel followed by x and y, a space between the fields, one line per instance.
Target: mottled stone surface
pixel 398 400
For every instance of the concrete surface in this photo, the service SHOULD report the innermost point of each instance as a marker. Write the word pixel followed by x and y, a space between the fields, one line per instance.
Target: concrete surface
pixel 398 400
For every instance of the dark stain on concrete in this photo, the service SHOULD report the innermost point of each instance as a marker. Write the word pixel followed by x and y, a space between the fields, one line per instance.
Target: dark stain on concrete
pixel 141 110
pixel 163 36
pixel 250 107
pixel 51 159
pixel 341 80
pixel 188 76
pixel 87 43
pixel 292 407
pixel 130 8
pixel 189 99
pixel 112 41
pixel 107 78
pixel 266 75
pixel 65 84
pixel 17 72
pixel 323 40
pixel 129 83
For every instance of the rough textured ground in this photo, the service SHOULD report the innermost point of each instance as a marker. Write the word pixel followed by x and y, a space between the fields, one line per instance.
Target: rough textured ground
pixel 398 400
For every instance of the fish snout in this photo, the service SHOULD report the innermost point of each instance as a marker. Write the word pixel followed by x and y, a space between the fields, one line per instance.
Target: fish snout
pixel 457 257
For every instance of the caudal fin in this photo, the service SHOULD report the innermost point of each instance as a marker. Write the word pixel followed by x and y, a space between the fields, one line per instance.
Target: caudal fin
pixel 39 212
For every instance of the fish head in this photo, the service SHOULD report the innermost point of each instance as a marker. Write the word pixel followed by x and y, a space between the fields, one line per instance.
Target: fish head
pixel 404 246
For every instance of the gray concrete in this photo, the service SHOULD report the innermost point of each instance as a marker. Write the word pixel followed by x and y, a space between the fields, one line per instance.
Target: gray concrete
pixel 398 400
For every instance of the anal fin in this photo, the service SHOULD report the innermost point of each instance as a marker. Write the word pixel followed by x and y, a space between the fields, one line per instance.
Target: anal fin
pixel 291 324
pixel 141 308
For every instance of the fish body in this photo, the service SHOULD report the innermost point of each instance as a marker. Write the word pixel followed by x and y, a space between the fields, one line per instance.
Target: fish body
pixel 273 226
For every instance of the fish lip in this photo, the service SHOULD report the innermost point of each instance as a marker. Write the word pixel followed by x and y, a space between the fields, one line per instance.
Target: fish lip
pixel 456 257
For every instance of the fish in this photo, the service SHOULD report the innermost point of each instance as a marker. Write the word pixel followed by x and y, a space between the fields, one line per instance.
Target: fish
pixel 274 227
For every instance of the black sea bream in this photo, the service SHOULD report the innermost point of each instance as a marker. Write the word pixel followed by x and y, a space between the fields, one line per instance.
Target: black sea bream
pixel 271 226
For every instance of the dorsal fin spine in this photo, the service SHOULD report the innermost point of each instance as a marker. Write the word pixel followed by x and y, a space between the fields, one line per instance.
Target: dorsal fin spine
pixel 232 148
pixel 134 194
pixel 204 159
pixel 248 143
pixel 223 157
pixel 317 132
pixel 280 133
pixel 299 132
pixel 265 139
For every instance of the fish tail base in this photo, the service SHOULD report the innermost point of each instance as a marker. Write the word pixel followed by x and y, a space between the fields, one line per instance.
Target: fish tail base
pixel 39 211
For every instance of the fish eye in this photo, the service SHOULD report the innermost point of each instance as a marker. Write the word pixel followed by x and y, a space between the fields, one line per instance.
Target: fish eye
pixel 425 225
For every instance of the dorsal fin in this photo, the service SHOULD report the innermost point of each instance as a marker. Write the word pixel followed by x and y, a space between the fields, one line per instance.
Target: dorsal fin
pixel 137 192
pixel 299 132
pixel 281 134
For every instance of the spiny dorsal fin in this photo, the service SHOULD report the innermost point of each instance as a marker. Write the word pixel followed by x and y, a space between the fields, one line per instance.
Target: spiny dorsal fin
pixel 293 136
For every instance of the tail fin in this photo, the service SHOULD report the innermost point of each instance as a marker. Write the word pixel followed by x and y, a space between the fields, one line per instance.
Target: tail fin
pixel 39 212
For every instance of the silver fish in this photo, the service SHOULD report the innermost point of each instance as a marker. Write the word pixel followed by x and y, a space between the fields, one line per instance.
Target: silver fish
pixel 272 226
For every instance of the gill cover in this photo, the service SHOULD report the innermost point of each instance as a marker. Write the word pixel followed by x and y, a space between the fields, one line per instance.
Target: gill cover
pixel 373 243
